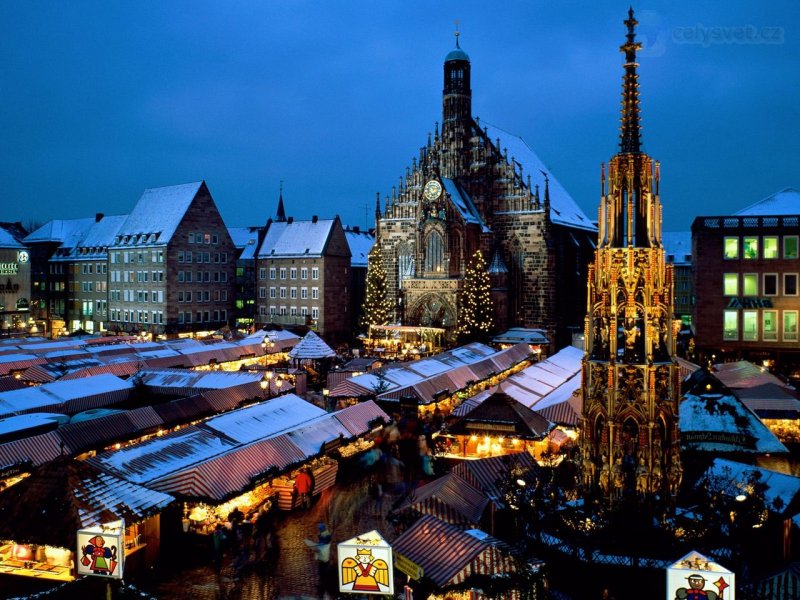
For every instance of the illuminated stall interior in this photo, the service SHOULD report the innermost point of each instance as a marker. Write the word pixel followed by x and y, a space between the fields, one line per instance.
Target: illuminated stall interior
pixel 67 495
pixel 400 341
pixel 499 425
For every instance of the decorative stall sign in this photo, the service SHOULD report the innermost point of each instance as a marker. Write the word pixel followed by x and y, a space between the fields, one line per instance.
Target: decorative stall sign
pixel 365 565
pixel 101 550
pixel 696 577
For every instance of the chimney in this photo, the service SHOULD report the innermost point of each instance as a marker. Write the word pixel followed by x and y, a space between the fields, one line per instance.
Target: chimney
pixel 98 217
pixel 356 229
pixel 290 220
pixel 314 219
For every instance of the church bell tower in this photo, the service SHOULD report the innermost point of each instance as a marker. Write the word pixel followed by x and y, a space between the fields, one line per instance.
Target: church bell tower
pixel 631 386
pixel 456 112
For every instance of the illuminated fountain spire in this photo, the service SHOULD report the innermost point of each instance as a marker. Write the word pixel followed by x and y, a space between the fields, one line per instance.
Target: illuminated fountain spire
pixel 629 138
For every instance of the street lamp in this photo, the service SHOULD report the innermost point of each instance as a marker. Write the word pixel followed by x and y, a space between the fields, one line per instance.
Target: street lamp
pixel 266 344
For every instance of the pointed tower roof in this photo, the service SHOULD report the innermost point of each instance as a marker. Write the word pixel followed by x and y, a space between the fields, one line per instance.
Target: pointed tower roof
pixel 629 138
pixel 497 265
pixel 280 215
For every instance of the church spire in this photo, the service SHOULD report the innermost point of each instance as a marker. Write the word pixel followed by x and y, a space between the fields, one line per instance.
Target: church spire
pixel 280 215
pixel 630 141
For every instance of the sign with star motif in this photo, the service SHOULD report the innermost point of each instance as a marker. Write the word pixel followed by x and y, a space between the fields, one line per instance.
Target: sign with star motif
pixel 696 577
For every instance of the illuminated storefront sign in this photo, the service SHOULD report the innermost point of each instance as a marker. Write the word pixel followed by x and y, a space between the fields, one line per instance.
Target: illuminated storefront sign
pixel 7 268
pixel 741 302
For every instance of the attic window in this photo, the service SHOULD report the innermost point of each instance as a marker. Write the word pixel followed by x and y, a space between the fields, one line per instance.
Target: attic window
pixel 687 257
pixel 116 240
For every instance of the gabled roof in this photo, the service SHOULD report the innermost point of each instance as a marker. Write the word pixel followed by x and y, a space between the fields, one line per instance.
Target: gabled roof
pixel 502 410
pixel 102 232
pixel 67 495
pixel 246 240
pixel 311 347
pixel 360 243
pixel 450 498
pixel 297 239
pixel 785 202
pixel 463 203
pixel 563 209
pixel 159 211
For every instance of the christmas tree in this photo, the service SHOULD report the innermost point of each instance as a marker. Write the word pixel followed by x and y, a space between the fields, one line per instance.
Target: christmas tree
pixel 475 310
pixel 377 307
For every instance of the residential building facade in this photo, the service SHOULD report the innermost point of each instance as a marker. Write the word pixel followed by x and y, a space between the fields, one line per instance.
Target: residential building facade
pixel 303 277
pixel 171 266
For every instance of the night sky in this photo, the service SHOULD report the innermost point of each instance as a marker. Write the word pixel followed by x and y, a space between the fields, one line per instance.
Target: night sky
pixel 100 100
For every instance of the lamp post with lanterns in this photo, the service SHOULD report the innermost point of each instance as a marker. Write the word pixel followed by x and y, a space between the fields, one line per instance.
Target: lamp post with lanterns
pixel 267 344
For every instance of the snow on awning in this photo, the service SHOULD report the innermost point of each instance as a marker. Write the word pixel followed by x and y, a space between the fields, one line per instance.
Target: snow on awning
pixel 486 473
pixel 312 437
pixel 358 419
pixel 449 498
pixel 781 492
pixel 311 347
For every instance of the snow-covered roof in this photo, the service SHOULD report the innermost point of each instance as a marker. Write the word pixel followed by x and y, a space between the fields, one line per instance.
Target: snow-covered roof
pixel 463 203
pixel 265 419
pixel 677 247
pixel 311 347
pixel 713 420
pixel 784 202
pixel 211 380
pixel 158 213
pixel 67 231
pixel 360 243
pixel 29 421
pixel 563 209
pixel 246 240
pixel 99 237
pixel 298 238
pixel 8 235
pixel 779 487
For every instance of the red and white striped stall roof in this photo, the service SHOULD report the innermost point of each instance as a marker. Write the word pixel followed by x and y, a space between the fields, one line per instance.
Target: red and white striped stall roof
pixel 36 450
pixel 357 418
pixel 448 555
pixel 449 498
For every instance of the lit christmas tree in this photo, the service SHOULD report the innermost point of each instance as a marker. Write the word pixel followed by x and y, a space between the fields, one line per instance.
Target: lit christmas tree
pixel 377 307
pixel 475 311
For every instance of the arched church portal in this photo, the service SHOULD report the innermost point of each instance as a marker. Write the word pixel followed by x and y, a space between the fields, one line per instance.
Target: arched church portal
pixel 432 310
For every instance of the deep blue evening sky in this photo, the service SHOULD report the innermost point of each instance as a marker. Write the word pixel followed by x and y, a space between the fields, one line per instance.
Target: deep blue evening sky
pixel 101 100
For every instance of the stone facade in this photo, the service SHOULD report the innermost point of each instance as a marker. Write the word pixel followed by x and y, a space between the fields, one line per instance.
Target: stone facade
pixel 474 186
pixel 15 278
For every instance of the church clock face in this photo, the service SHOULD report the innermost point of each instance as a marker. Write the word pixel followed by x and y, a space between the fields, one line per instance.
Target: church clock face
pixel 433 189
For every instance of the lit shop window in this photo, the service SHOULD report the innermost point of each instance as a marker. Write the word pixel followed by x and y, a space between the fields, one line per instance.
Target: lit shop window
pixel 771 246
pixel 750 325
pixel 731 247
pixel 730 325
pixel 770 325
pixel 750 247
pixel 790 326
pixel 730 284
pixel 750 284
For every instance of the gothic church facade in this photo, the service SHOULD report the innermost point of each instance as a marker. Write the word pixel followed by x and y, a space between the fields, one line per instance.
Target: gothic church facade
pixel 474 186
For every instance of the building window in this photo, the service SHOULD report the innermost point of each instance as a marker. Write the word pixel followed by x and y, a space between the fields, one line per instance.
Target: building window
pixel 314 312
pixel 273 292
pixel 293 293
pixel 303 311
pixel 191 238
pixel 262 292
pixel 770 325
pixel 750 247
pixel 315 273
pixel 273 311
pixel 262 273
pixel 730 325
pixel 790 326
pixel 180 256
pixel 750 325
pixel 770 284
pixel 293 273
pixel 750 284
pixel 314 293
pixel 730 284
pixel 292 311
pixel 434 253
pixel 303 293
pixel 272 273
pixel 790 284
pixel 790 246
pixel 304 273
pixel 283 292
pixel 283 272
pixel 283 311
pixel 771 246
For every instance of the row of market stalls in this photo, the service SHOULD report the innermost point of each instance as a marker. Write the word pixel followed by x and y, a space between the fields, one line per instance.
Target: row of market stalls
pixel 245 458
pixel 40 360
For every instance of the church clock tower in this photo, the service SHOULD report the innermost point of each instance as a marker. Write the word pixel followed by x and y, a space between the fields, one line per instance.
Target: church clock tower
pixel 456 113
pixel 631 385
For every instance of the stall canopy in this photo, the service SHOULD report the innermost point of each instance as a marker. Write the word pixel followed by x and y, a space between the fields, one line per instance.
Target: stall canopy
pixel 449 498
pixel 449 555
pixel 500 414
pixel 66 495
pixel 311 347
pixel 486 474
pixel 783 585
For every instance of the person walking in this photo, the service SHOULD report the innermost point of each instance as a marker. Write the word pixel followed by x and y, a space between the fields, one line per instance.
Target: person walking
pixel 322 553
pixel 218 544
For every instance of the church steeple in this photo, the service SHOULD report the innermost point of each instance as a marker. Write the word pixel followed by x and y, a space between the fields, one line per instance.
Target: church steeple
pixel 629 139
pixel 456 110
pixel 280 215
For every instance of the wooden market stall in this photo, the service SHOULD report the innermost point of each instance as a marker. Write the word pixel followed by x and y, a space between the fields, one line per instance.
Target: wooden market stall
pixel 40 517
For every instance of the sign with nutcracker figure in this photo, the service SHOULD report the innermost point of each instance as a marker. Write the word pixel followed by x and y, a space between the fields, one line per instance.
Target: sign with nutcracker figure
pixel 695 577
